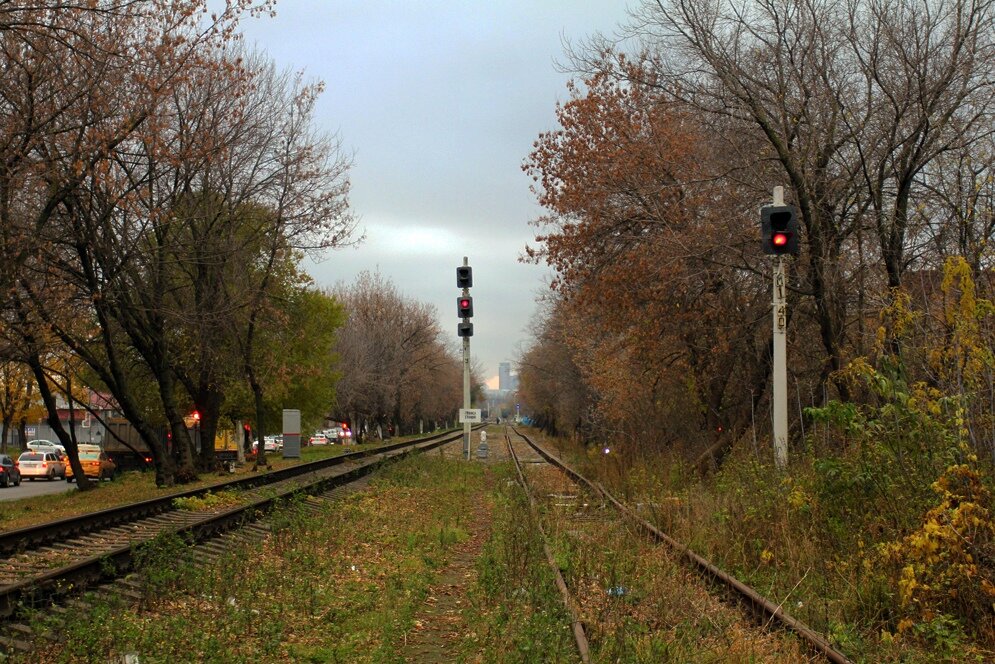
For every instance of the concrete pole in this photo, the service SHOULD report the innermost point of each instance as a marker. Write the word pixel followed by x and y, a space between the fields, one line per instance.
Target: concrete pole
pixel 780 313
pixel 466 380
pixel 466 395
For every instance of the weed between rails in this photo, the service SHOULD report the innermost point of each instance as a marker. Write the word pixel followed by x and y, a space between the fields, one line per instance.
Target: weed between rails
pixel 516 611
pixel 638 603
pixel 340 586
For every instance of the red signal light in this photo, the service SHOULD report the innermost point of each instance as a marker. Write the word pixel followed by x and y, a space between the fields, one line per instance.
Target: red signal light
pixel 780 239
pixel 465 306
pixel 195 415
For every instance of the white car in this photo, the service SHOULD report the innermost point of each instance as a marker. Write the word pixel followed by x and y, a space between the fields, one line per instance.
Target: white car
pixel 318 439
pixel 270 444
pixel 46 446
pixel 46 465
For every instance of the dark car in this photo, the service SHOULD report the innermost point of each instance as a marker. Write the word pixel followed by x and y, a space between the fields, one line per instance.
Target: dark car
pixel 9 472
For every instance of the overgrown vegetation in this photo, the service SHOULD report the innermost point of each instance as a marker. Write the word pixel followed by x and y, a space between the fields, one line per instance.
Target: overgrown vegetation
pixel 517 612
pixel 656 341
pixel 209 501
pixel 880 532
pixel 342 585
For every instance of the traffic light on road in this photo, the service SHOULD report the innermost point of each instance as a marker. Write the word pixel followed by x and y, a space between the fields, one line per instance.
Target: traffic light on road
pixel 464 276
pixel 464 330
pixel 779 230
pixel 465 306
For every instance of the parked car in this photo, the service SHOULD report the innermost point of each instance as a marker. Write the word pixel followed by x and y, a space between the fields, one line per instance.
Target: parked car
pixel 318 439
pixel 96 464
pixel 9 473
pixel 47 465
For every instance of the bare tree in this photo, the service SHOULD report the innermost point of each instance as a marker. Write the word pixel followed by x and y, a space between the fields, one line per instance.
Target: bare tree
pixel 851 101
pixel 395 366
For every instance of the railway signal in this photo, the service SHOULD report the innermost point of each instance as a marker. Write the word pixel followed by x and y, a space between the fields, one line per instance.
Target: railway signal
pixel 779 238
pixel 465 306
pixel 779 230
pixel 464 276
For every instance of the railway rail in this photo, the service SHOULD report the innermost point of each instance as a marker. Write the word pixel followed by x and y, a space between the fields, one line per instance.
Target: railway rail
pixel 53 562
pixel 764 610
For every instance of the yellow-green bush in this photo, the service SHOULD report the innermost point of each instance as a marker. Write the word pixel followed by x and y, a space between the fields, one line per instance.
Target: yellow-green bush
pixel 947 566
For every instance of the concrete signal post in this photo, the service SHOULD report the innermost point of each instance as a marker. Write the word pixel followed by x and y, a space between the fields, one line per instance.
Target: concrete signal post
pixel 464 305
pixel 779 239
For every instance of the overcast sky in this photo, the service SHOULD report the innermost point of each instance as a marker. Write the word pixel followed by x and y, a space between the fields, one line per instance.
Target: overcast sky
pixel 439 103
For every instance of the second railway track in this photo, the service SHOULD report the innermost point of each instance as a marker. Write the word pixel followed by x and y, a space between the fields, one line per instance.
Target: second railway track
pixel 598 592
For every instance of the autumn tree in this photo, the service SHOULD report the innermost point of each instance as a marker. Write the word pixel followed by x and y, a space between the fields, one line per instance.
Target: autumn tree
pixel 551 383
pixel 85 84
pixel 656 287
pixel 851 101
pixel 17 402
pixel 874 116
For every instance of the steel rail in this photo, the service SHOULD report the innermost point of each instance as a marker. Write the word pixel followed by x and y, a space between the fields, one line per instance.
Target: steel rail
pixel 29 537
pixel 72 577
pixel 580 636
pixel 769 610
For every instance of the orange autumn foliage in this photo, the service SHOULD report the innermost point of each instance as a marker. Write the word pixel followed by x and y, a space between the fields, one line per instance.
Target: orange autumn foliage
pixel 640 242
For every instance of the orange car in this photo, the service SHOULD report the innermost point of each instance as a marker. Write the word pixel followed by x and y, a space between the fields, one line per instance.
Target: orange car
pixel 96 464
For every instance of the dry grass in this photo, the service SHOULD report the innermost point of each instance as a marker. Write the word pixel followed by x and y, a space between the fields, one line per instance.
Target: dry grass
pixel 639 602
pixel 341 585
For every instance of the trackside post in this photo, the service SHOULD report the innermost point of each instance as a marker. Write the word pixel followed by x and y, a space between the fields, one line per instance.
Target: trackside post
pixel 464 305
pixel 780 321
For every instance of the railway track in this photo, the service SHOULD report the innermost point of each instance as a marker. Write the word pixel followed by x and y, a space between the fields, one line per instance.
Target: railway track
pixel 579 500
pixel 52 563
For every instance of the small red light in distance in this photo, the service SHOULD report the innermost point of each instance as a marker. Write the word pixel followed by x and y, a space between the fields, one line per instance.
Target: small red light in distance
pixel 464 303
pixel 780 239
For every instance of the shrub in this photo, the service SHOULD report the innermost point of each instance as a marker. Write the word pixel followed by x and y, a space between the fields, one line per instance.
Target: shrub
pixel 947 566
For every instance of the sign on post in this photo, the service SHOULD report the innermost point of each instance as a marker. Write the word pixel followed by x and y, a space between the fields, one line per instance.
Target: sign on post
pixel 469 415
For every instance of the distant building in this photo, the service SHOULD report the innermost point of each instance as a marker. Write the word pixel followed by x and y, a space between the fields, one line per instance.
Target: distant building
pixel 504 376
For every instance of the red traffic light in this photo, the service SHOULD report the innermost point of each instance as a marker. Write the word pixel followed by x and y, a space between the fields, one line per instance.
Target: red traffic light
pixel 465 306
pixel 195 415
pixel 780 239
pixel 464 303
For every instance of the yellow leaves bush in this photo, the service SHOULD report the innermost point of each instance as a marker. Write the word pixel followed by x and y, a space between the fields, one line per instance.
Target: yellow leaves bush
pixel 948 564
